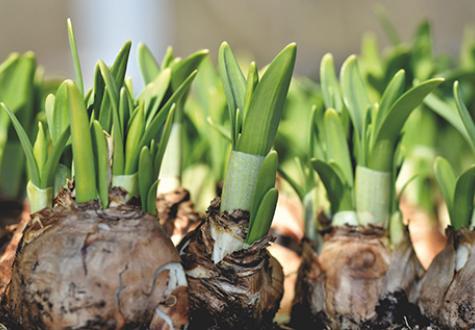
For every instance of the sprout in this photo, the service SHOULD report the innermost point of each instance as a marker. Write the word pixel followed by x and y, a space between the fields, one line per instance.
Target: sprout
pixel 255 107
pixel 366 189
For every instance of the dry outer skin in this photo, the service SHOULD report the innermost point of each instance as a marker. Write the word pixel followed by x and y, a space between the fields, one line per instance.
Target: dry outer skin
pixel 243 290
pixel 448 288
pixel 342 287
pixel 8 255
pixel 177 214
pixel 427 235
pixel 287 228
pixel 80 267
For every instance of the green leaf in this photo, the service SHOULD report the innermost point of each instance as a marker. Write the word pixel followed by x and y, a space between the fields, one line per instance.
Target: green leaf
pixel 233 79
pixel 464 114
pixel 16 80
pixel 152 199
pixel 48 174
pixel 102 163
pixel 252 80
pixel 83 157
pixel 119 67
pixel 332 181
pixel 266 180
pixel 355 93
pixel 330 87
pixel 387 25
pixel 75 56
pixel 220 129
pixel 117 134
pixel 167 58
pixel 132 145
pixel 392 92
pixel 49 112
pixel 99 98
pixel 234 83
pixel 124 108
pixel 145 173
pixel 157 122
pixel 337 146
pixel 149 67
pixel 393 122
pixel 266 107
pixel 295 186
pixel 450 114
pixel 32 167
pixel 183 68
pixel 264 216
pixel 40 147
pixel 154 92
pixel 445 177
pixel 60 118
pixel 163 142
pixel 463 199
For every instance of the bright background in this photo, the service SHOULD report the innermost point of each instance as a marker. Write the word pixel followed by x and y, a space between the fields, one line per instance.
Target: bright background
pixel 256 28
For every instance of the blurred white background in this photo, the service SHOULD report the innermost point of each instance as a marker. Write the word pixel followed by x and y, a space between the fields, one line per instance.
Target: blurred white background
pixel 258 28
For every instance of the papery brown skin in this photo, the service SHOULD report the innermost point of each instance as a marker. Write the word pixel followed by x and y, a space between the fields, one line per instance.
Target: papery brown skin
pixel 288 228
pixel 243 290
pixel 80 267
pixel 8 255
pixel 447 294
pixel 426 234
pixel 177 213
pixel 342 287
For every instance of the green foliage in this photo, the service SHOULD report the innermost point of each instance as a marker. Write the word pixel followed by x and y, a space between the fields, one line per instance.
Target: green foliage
pixel 263 117
pixel 83 155
pixel 18 90
pixel 255 107
pixel 458 192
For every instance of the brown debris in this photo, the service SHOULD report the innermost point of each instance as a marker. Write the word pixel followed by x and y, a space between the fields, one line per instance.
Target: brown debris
pixel 448 288
pixel 80 267
pixel 177 214
pixel 243 290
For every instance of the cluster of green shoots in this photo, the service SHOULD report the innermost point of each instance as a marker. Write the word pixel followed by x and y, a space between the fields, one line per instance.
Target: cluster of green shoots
pixel 116 140
pixel 359 176
pixel 255 106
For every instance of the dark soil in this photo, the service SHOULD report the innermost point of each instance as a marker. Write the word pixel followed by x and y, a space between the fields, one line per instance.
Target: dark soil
pixel 10 212
pixel 395 312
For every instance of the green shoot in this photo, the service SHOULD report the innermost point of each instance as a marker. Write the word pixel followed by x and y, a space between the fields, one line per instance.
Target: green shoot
pixel 260 125
pixel 255 108
pixel 377 129
pixel 464 114
pixel 458 192
pixel 149 67
pixel 102 160
pixel 83 156
pixel 32 166
pixel 75 56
